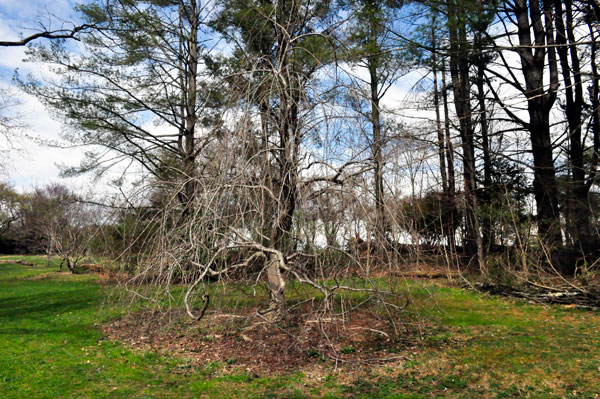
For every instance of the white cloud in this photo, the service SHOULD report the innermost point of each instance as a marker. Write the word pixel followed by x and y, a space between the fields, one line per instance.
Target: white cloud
pixel 30 163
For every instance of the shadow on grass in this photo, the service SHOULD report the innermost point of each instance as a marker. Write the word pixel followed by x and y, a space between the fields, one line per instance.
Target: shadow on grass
pixel 47 304
pixel 71 330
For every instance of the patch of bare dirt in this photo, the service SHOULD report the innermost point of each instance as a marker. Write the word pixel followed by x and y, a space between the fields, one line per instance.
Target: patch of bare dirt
pixel 251 343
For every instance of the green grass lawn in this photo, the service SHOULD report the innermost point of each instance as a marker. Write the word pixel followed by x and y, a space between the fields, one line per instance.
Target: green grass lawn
pixel 477 347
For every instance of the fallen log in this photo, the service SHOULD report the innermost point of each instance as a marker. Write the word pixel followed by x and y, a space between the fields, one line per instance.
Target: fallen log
pixel 589 299
pixel 426 275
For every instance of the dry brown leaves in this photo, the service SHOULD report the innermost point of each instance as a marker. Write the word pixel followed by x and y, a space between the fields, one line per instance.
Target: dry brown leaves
pixel 249 342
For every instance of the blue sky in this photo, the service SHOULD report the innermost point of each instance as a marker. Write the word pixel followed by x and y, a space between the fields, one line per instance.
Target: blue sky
pixel 29 163
pixel 37 164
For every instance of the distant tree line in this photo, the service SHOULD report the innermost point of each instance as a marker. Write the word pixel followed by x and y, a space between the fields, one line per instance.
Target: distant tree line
pixel 50 220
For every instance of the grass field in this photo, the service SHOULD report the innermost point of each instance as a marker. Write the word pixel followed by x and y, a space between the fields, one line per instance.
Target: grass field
pixel 51 346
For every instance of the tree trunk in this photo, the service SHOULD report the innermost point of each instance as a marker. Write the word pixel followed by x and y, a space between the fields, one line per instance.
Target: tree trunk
pixel 444 146
pixel 487 229
pixel 450 163
pixel 539 105
pixel 459 71
pixel 544 183
pixel 287 180
pixel 436 104
pixel 188 75
pixel 578 198
pixel 381 227
pixel 595 122
pixel 49 255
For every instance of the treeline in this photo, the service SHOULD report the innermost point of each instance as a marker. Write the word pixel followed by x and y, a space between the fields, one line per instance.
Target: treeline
pixel 55 221
pixel 44 221
pixel 276 136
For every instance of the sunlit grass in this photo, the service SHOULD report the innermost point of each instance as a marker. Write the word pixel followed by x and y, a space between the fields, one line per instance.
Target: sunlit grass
pixel 477 346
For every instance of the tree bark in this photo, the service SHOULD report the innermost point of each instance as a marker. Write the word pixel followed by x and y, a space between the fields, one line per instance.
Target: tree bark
pixel 373 62
pixel 438 118
pixel 539 105
pixel 287 159
pixel 578 197
pixel 459 71
pixel 188 79
pixel 487 229
pixel 450 163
